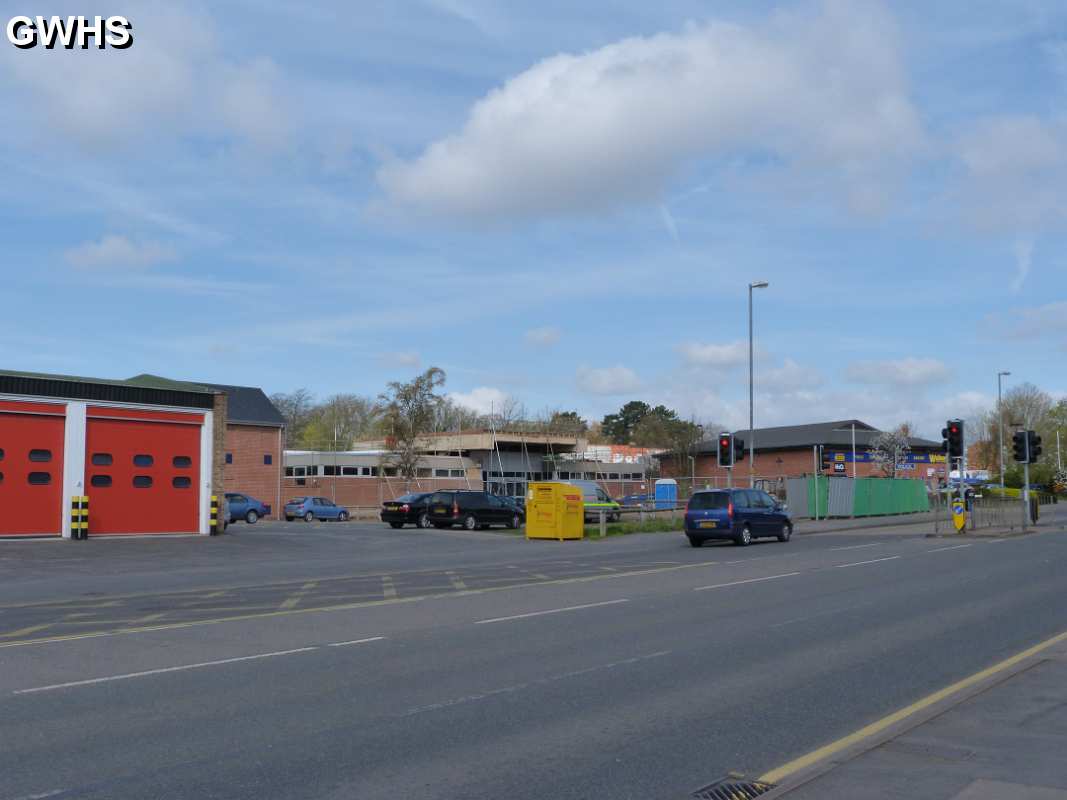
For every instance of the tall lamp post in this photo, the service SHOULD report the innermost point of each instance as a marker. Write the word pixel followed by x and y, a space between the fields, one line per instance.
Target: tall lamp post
pixel 751 393
pixel 1000 428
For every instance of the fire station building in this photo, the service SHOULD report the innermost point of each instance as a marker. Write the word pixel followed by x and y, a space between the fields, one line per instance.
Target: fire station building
pixel 148 453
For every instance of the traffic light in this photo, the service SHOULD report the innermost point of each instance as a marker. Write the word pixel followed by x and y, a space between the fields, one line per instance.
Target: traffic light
pixel 726 450
pixel 827 459
pixel 1020 442
pixel 739 449
pixel 952 434
pixel 1033 448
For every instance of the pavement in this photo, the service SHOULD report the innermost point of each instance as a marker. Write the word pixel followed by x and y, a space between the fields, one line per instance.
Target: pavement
pixel 634 667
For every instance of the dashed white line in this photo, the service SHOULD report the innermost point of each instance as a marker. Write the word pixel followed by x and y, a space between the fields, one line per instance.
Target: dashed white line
pixel 953 547
pixel 861 563
pixel 550 611
pixel 356 641
pixel 858 546
pixel 748 580
pixel 163 670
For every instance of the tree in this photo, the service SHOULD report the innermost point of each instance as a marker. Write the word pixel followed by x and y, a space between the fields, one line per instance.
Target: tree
pixel 888 449
pixel 567 422
pixel 296 408
pixel 336 423
pixel 619 427
pixel 409 411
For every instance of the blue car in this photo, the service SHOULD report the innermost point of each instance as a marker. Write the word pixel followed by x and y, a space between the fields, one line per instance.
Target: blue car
pixel 246 507
pixel 313 508
pixel 738 514
pixel 637 500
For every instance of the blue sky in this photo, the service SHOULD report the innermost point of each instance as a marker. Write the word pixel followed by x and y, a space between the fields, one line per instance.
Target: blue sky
pixel 558 202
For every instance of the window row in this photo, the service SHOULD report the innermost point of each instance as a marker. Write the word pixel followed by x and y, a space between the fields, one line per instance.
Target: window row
pixel 35 478
pixel 141 482
pixel 139 460
pixel 36 455
pixel 268 459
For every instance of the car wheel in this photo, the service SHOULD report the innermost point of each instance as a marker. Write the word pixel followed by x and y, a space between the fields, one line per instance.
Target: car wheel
pixel 469 522
pixel 251 517
pixel 787 531
pixel 309 517
pixel 396 525
pixel 744 538
pixel 288 519
pixel 424 520
pixel 342 517
pixel 515 522
pixel 696 541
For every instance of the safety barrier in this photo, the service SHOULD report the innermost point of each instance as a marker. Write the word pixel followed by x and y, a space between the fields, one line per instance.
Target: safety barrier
pixel 213 528
pixel 79 517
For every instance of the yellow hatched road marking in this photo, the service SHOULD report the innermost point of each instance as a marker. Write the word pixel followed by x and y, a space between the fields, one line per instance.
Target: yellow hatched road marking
pixel 457 582
pixel 388 589
pixel 24 631
pixel 295 598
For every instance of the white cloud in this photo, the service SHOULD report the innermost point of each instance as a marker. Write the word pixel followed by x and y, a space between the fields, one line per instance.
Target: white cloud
pixel 483 399
pixel 899 372
pixel 584 133
pixel 698 354
pixel 542 337
pixel 608 380
pixel 403 358
pixel 176 80
pixel 1035 322
pixel 118 252
pixel 789 377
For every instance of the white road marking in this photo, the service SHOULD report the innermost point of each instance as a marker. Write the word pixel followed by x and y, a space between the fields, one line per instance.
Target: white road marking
pixel 953 547
pixel 820 614
pixel 861 563
pixel 40 796
pixel 749 580
pixel 356 641
pixel 550 611
pixel 471 698
pixel 162 670
pixel 858 546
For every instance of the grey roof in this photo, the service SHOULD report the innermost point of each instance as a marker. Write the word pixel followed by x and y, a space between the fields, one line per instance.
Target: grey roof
pixel 837 435
pixel 244 404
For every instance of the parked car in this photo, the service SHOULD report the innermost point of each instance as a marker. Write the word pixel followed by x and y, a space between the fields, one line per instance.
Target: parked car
pixel 595 498
pixel 407 508
pixel 738 514
pixel 246 507
pixel 518 503
pixel 636 501
pixel 472 510
pixel 312 508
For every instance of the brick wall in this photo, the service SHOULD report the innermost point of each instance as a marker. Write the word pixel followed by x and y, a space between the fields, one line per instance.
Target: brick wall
pixel 218 448
pixel 247 473
pixel 367 492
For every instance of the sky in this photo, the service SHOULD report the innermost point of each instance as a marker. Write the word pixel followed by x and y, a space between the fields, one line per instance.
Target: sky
pixel 563 203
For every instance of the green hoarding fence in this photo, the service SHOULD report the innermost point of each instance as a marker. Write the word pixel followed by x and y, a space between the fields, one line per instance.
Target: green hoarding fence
pixel 879 496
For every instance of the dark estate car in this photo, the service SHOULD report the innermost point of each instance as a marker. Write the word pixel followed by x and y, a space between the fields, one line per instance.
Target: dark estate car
pixel 408 508
pixel 738 514
pixel 472 510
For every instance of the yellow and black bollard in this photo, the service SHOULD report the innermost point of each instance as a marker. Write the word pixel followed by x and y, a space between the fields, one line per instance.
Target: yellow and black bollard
pixel 213 528
pixel 79 517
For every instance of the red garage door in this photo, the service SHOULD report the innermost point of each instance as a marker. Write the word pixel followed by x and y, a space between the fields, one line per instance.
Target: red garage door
pixel 31 468
pixel 142 471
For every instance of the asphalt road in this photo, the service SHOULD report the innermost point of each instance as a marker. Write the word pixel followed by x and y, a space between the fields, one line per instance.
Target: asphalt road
pixel 629 668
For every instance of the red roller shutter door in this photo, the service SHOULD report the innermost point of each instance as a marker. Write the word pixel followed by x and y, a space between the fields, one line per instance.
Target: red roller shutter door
pixel 142 471
pixel 31 468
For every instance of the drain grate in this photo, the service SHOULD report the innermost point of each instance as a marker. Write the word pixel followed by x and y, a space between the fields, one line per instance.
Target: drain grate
pixel 733 788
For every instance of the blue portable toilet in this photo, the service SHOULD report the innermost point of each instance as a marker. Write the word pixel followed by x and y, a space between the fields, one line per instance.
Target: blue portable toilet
pixel 666 493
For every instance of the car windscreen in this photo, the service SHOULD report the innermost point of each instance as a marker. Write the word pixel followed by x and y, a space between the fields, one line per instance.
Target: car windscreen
pixel 706 500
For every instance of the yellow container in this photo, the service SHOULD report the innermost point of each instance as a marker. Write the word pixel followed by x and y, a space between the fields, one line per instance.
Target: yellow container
pixel 554 511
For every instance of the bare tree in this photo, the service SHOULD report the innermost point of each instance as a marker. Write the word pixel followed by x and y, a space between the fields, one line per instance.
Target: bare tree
pixel 889 449
pixel 408 411
pixel 296 408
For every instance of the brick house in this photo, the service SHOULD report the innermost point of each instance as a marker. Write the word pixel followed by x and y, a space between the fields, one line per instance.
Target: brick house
pixel 253 443
pixel 787 452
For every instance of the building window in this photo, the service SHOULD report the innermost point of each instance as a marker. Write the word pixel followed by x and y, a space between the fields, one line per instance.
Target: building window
pixel 614 476
pixel 440 473
pixel 268 459
pixel 301 482
pixel 313 470
pixel 142 482
pixel 39 478
pixel 229 458
pixel 1 454
pixel 182 462
pixel 42 456
pixel 181 482
pixel 422 472
pixel 102 459
pixel 457 473
pixel 350 471
pixel 100 481
pixel 329 470
pixel 374 472
pixel 288 472
pixel 390 472
pixel 142 460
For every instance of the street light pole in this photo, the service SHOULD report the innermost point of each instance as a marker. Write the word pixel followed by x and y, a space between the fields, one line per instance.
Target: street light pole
pixel 751 391
pixel 1000 428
